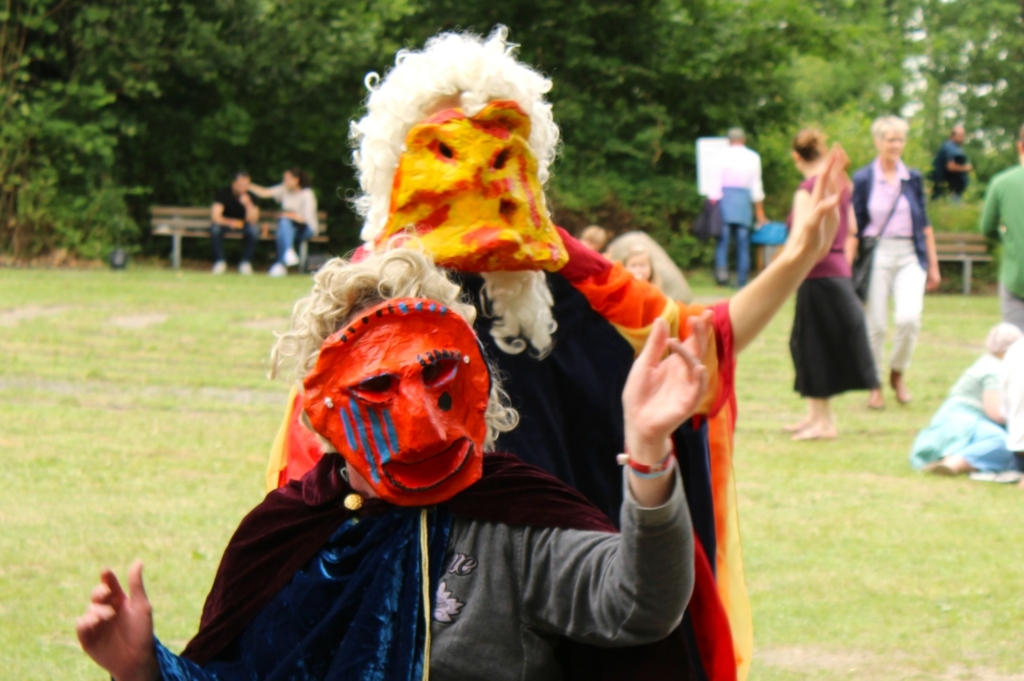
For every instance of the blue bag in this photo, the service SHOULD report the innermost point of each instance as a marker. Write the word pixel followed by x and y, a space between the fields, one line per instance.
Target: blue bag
pixel 770 234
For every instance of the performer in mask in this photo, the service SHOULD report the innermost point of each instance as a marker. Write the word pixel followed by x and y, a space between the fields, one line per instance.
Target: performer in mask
pixel 454 149
pixel 411 550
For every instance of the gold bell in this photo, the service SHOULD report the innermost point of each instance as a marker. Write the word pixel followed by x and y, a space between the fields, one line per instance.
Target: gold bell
pixel 353 502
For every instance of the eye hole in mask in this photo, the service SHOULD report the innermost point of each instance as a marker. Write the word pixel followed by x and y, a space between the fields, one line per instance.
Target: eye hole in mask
pixel 377 389
pixel 502 159
pixel 439 373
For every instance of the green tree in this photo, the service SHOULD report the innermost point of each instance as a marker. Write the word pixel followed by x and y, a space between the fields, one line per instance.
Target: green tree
pixel 111 106
pixel 973 55
pixel 57 142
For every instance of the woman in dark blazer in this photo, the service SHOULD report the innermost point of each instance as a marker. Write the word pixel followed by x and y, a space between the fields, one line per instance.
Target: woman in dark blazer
pixel 889 202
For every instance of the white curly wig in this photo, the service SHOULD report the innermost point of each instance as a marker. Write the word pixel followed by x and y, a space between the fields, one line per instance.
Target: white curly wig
pixel 476 70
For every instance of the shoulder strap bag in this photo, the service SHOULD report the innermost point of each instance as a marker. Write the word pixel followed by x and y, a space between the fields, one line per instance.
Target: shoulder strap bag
pixel 865 260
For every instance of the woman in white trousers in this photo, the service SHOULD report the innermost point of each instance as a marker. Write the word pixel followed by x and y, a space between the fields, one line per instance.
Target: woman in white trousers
pixel 889 202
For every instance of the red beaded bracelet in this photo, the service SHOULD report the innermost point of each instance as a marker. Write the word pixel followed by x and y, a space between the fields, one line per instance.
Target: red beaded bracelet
pixel 654 470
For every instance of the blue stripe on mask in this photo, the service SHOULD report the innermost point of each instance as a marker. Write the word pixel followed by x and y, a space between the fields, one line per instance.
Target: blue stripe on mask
pixel 366 444
pixel 392 435
pixel 378 437
pixel 349 434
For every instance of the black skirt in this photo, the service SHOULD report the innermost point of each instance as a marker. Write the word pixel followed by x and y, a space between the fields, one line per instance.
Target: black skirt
pixel 829 342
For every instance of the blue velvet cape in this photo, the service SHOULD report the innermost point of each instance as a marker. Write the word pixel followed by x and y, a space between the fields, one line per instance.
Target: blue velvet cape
pixel 354 610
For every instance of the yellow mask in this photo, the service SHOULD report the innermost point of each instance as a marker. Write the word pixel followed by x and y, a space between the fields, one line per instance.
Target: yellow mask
pixel 468 189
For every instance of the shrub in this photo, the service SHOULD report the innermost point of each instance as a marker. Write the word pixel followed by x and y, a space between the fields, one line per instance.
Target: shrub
pixel 947 216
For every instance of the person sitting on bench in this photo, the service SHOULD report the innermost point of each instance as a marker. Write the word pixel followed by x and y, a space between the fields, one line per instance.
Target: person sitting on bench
pixel 299 222
pixel 233 208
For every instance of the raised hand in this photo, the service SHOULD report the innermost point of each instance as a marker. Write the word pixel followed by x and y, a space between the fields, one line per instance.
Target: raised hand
pixel 661 393
pixel 116 630
pixel 700 332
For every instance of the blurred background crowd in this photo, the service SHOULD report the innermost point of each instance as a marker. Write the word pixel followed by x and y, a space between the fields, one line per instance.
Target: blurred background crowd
pixel 115 106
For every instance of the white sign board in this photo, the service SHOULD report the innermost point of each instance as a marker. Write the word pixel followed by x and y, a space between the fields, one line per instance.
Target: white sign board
pixel 708 153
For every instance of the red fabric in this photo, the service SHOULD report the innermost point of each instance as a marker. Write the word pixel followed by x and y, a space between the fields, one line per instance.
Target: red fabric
pixel 292 523
pixel 726 346
pixel 302 449
pixel 583 262
pixel 710 622
pixel 360 254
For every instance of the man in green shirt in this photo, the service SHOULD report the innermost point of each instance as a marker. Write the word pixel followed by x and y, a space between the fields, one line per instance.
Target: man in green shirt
pixel 1003 219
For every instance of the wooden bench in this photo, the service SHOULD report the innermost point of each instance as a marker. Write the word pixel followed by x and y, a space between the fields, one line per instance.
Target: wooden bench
pixel 967 248
pixel 194 222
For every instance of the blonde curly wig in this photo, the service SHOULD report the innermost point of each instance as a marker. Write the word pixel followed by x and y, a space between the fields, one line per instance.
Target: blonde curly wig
pixel 342 288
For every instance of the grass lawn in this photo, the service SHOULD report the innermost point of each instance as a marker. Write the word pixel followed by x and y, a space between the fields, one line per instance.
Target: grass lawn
pixel 136 420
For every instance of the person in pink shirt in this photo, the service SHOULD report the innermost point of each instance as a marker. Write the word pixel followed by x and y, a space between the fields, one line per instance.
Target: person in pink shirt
pixel 829 341
pixel 889 203
pixel 739 192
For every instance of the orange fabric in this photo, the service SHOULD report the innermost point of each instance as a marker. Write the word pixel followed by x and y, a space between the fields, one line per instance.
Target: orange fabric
pixel 277 465
pixel 732 588
pixel 720 429
pixel 632 306
pixel 303 449
pixel 295 450
pixel 725 345
pixel 710 624
pixel 623 300
pixel 729 555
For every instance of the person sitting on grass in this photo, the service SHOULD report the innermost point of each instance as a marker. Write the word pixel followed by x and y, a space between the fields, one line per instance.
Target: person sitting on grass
pixel 412 549
pixel 299 222
pixel 638 262
pixel 1011 384
pixel 968 432
pixel 666 275
pixel 595 238
pixel 233 209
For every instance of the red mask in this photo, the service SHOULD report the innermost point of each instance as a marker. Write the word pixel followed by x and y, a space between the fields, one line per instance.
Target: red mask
pixel 401 393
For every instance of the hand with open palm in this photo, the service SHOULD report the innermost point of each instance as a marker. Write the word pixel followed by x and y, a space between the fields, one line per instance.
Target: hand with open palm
pixel 116 630
pixel 661 392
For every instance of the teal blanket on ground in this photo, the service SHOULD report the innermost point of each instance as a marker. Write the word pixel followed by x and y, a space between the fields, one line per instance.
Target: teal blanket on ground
pixel 952 429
